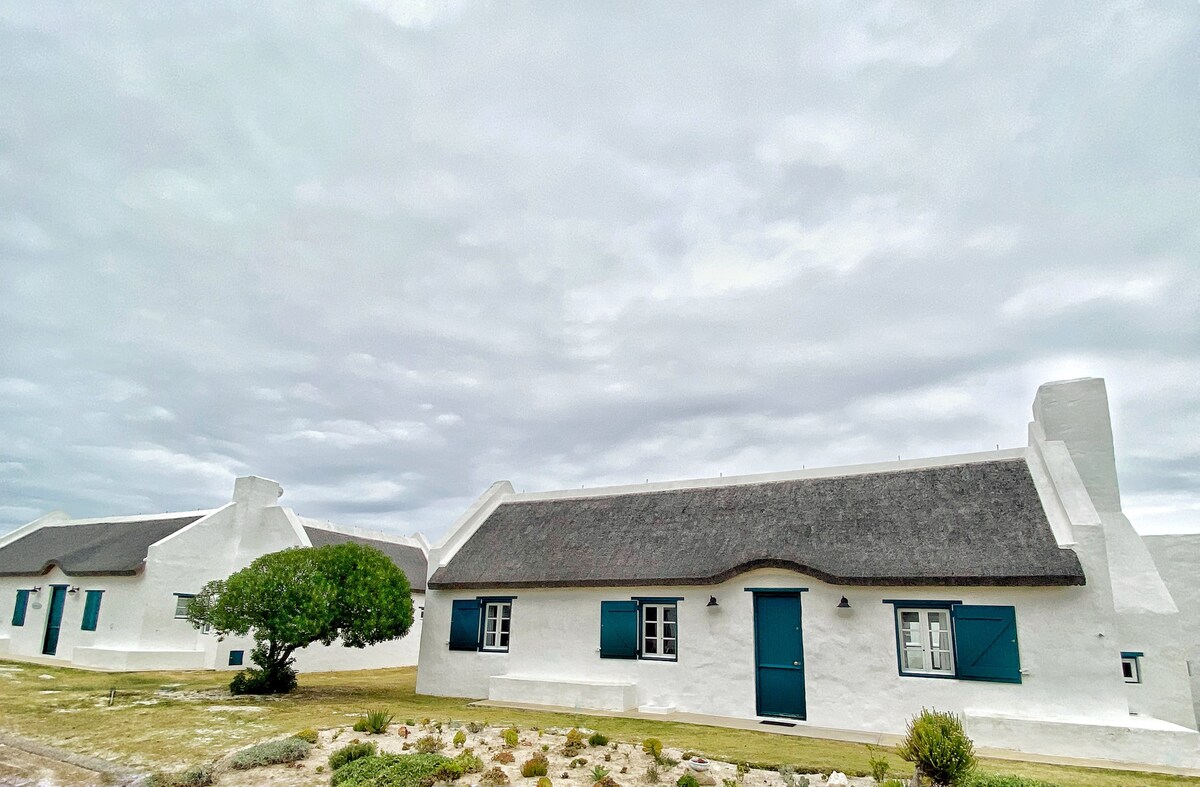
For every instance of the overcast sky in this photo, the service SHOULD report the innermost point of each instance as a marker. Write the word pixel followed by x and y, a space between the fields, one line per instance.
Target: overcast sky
pixel 389 252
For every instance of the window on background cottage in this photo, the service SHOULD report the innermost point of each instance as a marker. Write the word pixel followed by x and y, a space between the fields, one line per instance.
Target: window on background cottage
pixel 18 618
pixel 181 605
pixel 496 621
pixel 1131 667
pixel 925 646
pixel 91 610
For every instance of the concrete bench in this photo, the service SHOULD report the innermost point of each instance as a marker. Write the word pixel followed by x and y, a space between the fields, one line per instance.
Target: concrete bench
pixel 563 692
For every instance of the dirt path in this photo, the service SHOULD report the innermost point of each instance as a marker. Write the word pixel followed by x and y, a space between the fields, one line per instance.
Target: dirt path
pixel 19 768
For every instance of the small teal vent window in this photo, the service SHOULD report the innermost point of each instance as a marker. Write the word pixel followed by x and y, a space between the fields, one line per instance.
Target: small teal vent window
pixel 91 610
pixel 236 657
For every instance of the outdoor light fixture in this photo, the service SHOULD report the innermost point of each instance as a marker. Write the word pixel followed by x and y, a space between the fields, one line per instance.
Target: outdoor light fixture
pixel 843 604
pixel 712 601
pixel 36 589
pixel 73 589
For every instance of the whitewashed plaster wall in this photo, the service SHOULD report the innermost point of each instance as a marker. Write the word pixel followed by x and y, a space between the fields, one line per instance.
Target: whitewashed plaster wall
pixel 851 673
pixel 1178 560
pixel 1073 417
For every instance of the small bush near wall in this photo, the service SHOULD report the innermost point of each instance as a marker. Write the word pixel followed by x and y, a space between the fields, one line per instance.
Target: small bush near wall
pixel 349 753
pixel 307 735
pixel 429 744
pixel 936 743
pixel 597 739
pixel 394 770
pixel 270 753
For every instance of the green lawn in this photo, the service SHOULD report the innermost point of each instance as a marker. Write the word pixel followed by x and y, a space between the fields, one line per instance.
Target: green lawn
pixel 171 719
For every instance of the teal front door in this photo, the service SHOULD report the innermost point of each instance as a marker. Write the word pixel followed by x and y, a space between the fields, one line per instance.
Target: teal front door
pixel 779 655
pixel 54 619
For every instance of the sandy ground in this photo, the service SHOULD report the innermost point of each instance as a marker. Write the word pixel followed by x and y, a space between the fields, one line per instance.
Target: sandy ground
pixel 21 769
pixel 626 762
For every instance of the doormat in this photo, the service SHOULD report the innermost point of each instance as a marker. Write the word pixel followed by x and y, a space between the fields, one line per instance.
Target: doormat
pixel 778 723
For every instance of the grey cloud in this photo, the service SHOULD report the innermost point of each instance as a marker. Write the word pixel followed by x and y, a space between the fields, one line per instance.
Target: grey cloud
pixel 388 253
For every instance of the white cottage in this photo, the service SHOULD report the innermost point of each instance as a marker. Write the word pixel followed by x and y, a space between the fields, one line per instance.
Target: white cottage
pixel 111 593
pixel 1006 586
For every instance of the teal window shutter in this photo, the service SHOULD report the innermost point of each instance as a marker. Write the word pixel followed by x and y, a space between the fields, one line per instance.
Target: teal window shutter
pixel 91 609
pixel 19 609
pixel 464 625
pixel 985 643
pixel 236 657
pixel 618 629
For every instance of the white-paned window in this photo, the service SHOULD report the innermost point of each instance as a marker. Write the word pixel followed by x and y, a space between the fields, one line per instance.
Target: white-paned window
pixel 925 642
pixel 660 631
pixel 181 605
pixel 496 620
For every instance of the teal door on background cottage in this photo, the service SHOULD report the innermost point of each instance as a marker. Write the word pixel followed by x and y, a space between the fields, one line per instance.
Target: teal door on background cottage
pixel 779 655
pixel 58 598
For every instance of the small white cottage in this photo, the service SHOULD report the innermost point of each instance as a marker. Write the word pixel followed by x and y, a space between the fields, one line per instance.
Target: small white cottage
pixel 112 593
pixel 1007 586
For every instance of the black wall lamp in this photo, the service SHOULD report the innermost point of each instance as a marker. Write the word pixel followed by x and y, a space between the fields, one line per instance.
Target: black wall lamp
pixel 712 601
pixel 844 603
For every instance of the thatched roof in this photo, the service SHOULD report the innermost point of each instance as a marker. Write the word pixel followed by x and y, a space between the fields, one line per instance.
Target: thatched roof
pixel 978 523
pixel 92 549
pixel 410 559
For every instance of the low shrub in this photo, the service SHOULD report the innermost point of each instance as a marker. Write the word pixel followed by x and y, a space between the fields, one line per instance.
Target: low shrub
pixel 493 778
pixel 597 739
pixel 469 762
pixel 936 743
pixel 687 755
pixel 360 725
pixel 308 735
pixel 196 776
pixel 474 727
pixel 997 780
pixel 460 739
pixel 599 772
pixel 428 744
pixel 687 780
pixel 668 762
pixel 505 757
pixel 545 782
pixel 607 781
pixel 351 752
pixel 270 753
pixel 653 747
pixel 578 762
pixel 511 737
pixel 537 765
pixel 255 681
pixel 393 770
pixel 377 721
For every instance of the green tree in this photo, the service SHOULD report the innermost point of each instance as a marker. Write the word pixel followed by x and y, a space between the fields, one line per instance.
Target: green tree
pixel 296 597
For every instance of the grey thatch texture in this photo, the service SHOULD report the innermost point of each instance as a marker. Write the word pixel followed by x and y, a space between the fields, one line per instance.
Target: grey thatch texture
pixel 100 548
pixel 411 560
pixel 980 523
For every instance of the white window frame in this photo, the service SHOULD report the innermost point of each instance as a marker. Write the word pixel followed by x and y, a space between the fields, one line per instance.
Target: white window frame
pixel 925 630
pixel 187 599
pixel 1135 668
pixel 497 626
pixel 658 635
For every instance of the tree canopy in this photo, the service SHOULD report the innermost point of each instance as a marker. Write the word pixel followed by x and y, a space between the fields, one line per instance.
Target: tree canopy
pixel 296 597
